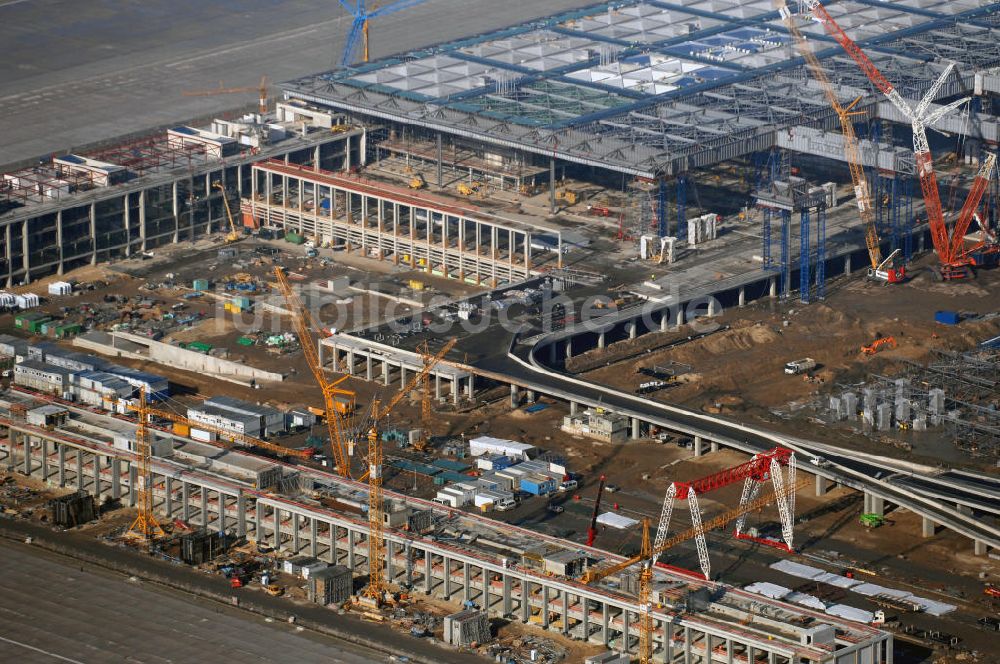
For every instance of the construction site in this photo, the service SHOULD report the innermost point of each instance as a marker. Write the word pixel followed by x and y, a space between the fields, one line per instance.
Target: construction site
pixel 637 331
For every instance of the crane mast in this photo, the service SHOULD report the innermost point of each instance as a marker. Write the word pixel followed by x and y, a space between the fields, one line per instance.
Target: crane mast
pixel 145 525
pixel 862 193
pixel 954 261
pixel 376 506
pixel 330 390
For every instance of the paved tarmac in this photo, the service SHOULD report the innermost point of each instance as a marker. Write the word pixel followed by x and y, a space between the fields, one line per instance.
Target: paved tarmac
pixel 73 73
pixel 52 611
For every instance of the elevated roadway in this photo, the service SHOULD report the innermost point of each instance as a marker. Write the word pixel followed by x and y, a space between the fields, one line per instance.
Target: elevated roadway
pixel 963 502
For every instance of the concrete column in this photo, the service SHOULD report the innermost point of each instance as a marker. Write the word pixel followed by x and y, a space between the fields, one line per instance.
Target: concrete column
pixel 664 321
pixel 505 602
pixel 821 485
pixel 313 537
pixel 514 397
pixel 61 451
pixel 79 468
pixel 385 372
pixel 877 505
pixel 979 547
pixel 545 606
pixel 600 340
pixel 574 408
pixel 605 624
pixel 569 348
pixel 525 600
pixel 408 553
pixel 633 330
pixel 390 564
pixel 742 297
pixel 116 477
pixel 552 185
pixel 470 390
pixel 203 493
pixel 350 362
pixel 447 578
pixel 26 446
pixel 565 611
pixel 333 544
pixel 133 485
pixel 713 446
pixel 729 651
pixel 772 287
pixel 847 264
pixel 296 526
pixel 626 629
pixel 241 515
pixel 437 386
pixel 350 549
pixel 168 496
pixel 699 446
pixel 585 613
pixel 97 472
pixel 635 428
pixel 44 445
pixel 927 527
pixel 456 389
pixel 466 585
pixel 402 376
pixel 679 320
pixel 368 367
pixel 428 572
pixel 185 501
pixel 220 521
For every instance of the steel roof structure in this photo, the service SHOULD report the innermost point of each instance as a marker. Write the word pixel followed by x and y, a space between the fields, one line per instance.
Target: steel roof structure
pixel 654 88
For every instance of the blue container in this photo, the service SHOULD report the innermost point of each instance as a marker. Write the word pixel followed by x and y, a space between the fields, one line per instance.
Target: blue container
pixel 947 317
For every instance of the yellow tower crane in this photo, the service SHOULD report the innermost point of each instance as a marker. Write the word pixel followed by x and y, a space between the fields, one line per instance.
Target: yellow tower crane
pixel 234 234
pixel 260 89
pixel 145 525
pixel 882 269
pixel 376 508
pixel 338 403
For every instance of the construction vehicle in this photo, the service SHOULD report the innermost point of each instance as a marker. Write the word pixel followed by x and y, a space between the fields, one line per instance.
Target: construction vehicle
pixel 991 590
pixel 233 234
pixel 870 520
pixel 880 344
pixel 956 260
pixel 567 196
pixel 260 89
pixel 418 182
pixel 592 529
pixel 376 507
pixel 274 590
pixel 468 189
pixel 890 269
pixel 337 422
pixel 800 366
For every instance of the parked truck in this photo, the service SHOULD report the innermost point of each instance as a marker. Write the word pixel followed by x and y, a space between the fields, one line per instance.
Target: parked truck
pixel 800 366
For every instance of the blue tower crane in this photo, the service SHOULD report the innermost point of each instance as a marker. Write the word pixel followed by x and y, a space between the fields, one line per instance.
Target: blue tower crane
pixel 359 26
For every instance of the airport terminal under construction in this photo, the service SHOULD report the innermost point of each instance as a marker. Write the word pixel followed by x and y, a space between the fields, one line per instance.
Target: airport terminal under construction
pixel 595 233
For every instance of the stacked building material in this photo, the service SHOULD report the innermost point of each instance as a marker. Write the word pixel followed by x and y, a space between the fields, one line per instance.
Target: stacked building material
pixel 73 510
pixel 331 585
pixel 466 628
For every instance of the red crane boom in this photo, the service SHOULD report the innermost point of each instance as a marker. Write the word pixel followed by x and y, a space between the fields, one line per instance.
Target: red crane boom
pixel 592 530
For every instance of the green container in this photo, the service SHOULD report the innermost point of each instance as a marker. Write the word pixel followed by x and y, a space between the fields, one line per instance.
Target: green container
pixel 243 302
pixel 245 341
pixel 199 346
pixel 295 238
pixel 70 330
pixel 200 285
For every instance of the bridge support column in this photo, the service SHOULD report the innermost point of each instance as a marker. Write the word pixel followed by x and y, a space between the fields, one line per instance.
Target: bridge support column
pixel 574 407
pixel 875 504
pixel 569 348
pixel 664 321
pixel 62 464
pixel 713 306
pixel 600 340
pixel 821 486
pixel 635 428
pixel 979 547
pixel 713 446
pixel 699 446
pixel 470 390
pixel 530 396
pixel 633 330
pixel 680 317
pixel 742 301
pixel 514 396
pixel 847 264
pixel 927 527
